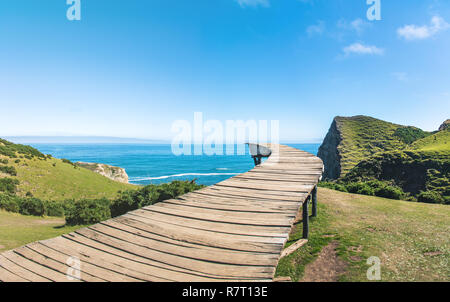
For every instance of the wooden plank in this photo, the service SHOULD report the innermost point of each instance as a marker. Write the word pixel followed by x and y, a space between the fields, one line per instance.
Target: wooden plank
pixel 208 237
pixel 181 249
pixel 220 227
pixel 20 271
pixel 226 204
pixel 207 208
pixel 255 193
pixel 292 248
pixel 190 240
pixel 216 268
pixel 220 216
pixel 108 263
pixel 7 276
pixel 32 266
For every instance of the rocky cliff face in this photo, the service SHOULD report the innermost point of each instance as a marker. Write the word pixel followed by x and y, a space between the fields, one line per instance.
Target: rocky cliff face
pixel 445 125
pixel 114 173
pixel 329 153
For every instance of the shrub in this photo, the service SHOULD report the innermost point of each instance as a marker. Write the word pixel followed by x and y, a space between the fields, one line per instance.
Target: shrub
pixel 4 161
pixel 410 134
pixel 8 185
pixel 31 206
pixel 430 197
pixel 124 203
pixel 9 203
pixel 88 211
pixel 66 161
pixel 333 186
pixel 54 208
pixel 391 192
pixel 17 161
pixel 360 188
pixel 8 170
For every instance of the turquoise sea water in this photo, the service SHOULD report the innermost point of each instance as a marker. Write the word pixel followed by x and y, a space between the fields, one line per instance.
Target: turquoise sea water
pixel 153 164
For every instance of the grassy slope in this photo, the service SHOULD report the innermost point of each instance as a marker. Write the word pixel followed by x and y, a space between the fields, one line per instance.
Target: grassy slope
pixel 17 230
pixel 61 181
pixel 363 136
pixel 399 233
pixel 408 167
pixel 438 142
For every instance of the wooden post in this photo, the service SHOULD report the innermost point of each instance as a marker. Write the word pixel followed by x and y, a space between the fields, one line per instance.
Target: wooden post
pixel 306 218
pixel 314 202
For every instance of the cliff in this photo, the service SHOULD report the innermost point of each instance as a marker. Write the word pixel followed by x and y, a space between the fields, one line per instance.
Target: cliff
pixel 352 139
pixel 114 173
pixel 329 152
pixel 445 125
pixel 361 149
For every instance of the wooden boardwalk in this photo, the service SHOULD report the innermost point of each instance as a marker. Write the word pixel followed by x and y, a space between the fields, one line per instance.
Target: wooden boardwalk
pixel 232 231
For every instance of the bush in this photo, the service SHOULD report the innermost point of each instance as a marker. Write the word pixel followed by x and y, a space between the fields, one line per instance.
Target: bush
pixel 8 170
pixel 8 185
pixel 54 208
pixel 410 134
pixel 88 211
pixel 391 192
pixel 360 188
pixel 9 203
pixel 66 161
pixel 430 197
pixel 31 206
pixel 4 161
pixel 333 186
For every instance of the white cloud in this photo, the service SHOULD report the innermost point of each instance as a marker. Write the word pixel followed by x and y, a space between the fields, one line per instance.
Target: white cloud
pixel 357 25
pixel 317 29
pixel 414 32
pixel 253 3
pixel 361 49
pixel 400 76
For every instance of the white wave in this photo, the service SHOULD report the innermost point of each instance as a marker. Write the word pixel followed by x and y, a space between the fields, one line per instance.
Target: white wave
pixel 222 169
pixel 180 175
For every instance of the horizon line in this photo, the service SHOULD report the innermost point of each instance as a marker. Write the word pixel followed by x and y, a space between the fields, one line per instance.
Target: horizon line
pixel 113 139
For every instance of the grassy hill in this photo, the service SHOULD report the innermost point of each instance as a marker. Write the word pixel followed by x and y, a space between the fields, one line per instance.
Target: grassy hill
pixel 50 178
pixel 423 166
pixel 438 142
pixel 359 137
pixel 411 239
pixel 363 149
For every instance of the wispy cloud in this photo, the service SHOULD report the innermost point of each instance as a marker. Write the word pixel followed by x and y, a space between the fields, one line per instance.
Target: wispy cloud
pixel 358 25
pixel 414 32
pixel 361 49
pixel 253 3
pixel 317 29
pixel 400 76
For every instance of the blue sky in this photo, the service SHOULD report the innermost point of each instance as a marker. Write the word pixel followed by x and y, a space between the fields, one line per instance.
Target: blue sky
pixel 130 68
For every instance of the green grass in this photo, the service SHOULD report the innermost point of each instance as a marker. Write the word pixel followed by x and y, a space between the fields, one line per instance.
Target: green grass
pixel 363 136
pixel 52 179
pixel 400 233
pixel 17 230
pixel 438 142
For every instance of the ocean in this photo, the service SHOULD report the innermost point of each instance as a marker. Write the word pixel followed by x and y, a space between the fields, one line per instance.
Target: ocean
pixel 153 164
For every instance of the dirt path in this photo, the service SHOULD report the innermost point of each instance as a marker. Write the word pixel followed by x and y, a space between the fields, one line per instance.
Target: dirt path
pixel 327 267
